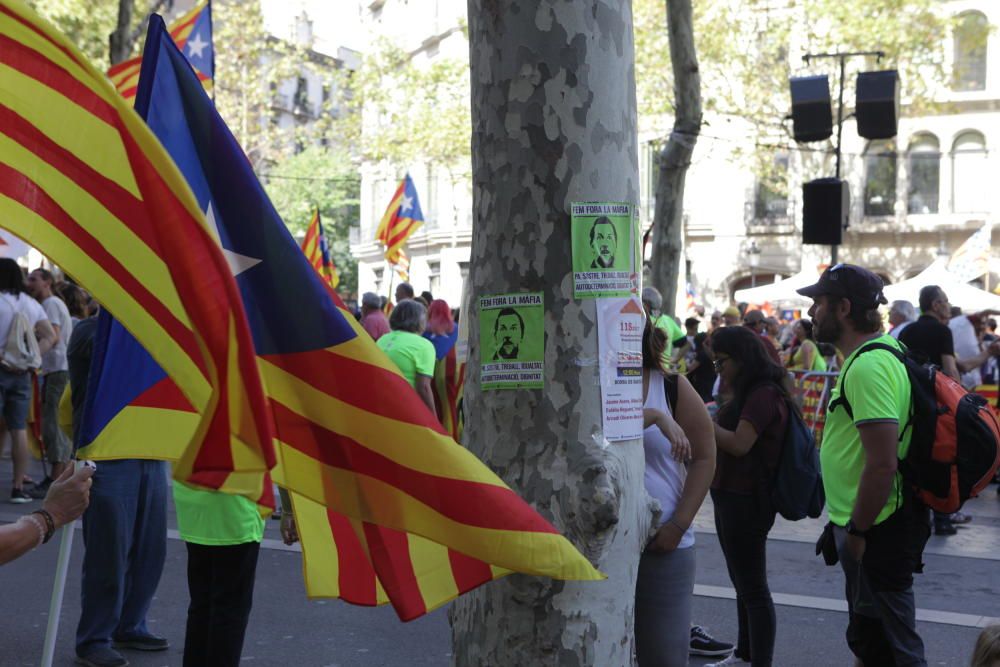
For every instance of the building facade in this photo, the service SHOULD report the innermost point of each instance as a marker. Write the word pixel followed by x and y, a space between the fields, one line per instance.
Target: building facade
pixel 428 30
pixel 913 198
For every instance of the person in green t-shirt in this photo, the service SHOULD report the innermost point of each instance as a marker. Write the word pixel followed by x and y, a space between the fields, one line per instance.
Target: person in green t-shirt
pixel 877 525
pixel 677 342
pixel 407 348
pixel 222 533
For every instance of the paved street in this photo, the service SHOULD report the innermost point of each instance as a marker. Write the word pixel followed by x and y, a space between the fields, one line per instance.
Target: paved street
pixel 957 595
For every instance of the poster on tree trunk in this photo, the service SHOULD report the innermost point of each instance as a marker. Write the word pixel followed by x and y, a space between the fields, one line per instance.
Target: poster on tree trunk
pixel 512 341
pixel 605 243
pixel 619 336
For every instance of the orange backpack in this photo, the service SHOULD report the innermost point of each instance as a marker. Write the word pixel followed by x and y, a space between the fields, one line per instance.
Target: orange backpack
pixel 955 445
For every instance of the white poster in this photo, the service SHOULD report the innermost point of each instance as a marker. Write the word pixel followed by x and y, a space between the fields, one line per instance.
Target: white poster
pixel 619 335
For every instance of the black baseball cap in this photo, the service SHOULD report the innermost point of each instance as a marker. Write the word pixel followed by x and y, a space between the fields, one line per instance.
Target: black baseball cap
pixel 848 281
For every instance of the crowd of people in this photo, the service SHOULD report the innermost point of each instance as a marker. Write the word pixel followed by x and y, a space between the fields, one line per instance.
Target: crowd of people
pixel 717 405
pixel 743 370
pixel 125 522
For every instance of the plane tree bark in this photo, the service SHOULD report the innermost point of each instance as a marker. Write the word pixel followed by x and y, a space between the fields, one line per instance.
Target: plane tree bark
pixel 554 122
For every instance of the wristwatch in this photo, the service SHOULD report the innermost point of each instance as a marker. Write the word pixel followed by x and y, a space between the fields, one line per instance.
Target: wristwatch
pixel 854 530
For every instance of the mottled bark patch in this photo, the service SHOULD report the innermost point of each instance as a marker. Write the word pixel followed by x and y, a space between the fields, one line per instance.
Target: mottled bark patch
pixel 554 121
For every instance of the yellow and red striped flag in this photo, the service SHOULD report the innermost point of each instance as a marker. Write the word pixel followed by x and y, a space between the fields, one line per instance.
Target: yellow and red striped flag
pixel 448 385
pixel 84 180
pixel 192 32
pixel 401 512
pixel 402 265
pixel 315 248
pixel 401 218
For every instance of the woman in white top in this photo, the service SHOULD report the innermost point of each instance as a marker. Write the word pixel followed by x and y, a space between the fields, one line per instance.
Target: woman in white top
pixel 15 386
pixel 680 464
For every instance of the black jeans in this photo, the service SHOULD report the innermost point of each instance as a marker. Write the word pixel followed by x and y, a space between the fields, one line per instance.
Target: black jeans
pixel 220 581
pixel 742 523
pixel 882 609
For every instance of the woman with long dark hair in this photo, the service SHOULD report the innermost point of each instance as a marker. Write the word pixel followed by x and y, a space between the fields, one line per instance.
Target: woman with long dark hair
pixel 749 434
pixel 677 427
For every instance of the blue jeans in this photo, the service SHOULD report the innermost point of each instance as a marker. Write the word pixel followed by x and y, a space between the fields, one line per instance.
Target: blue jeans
pixel 125 535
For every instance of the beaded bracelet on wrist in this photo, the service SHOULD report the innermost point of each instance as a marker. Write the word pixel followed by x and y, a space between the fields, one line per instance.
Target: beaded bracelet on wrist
pixel 29 518
pixel 50 524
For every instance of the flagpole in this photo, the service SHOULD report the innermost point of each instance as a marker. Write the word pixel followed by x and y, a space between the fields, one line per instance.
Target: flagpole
pixel 211 31
pixel 58 589
pixel 392 275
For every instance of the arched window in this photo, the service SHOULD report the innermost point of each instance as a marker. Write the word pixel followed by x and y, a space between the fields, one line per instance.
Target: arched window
pixel 880 178
pixel 969 178
pixel 924 166
pixel 971 35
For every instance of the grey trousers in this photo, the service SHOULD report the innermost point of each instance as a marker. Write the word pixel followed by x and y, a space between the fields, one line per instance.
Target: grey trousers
pixel 663 593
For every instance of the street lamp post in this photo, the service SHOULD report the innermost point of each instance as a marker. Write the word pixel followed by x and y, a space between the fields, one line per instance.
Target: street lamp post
pixel 753 255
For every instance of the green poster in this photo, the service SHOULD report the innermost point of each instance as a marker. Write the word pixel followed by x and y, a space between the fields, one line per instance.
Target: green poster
pixel 604 249
pixel 512 341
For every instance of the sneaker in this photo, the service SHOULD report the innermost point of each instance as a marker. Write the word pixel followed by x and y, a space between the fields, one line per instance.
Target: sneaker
pixel 703 643
pixel 19 497
pixel 731 660
pixel 945 528
pixel 142 643
pixel 960 517
pixel 102 657
pixel 40 490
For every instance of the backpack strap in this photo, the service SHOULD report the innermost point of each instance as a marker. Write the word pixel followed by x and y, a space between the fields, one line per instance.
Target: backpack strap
pixel 670 385
pixel 841 401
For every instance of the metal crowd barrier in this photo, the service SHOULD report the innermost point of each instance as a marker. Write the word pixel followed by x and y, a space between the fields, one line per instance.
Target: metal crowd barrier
pixel 811 390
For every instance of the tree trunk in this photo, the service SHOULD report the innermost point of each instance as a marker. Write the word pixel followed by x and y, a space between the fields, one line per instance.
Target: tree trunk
pixel 674 160
pixel 123 39
pixel 120 46
pixel 554 121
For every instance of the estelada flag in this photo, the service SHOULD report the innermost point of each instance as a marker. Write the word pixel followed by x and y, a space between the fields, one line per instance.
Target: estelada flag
pixel 972 259
pixel 389 508
pixel 402 266
pixel 314 247
pixel 402 217
pixel 192 32
pixel 84 180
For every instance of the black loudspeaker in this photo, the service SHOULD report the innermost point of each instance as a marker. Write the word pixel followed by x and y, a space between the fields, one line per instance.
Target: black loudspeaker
pixel 812 115
pixel 877 104
pixel 825 205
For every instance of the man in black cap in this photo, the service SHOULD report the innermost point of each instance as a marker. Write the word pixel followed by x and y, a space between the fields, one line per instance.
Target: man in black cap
pixel 878 527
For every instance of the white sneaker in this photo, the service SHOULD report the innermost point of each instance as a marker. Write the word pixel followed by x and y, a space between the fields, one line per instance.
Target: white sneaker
pixel 731 660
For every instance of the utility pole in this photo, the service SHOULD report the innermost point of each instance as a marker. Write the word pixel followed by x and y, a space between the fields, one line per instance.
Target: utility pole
pixel 841 57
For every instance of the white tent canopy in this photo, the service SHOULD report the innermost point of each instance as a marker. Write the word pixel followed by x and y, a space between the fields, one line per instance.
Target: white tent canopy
pixel 782 292
pixel 960 294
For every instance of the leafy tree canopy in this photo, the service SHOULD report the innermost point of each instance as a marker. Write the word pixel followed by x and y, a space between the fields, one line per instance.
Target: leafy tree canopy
pixel 327 179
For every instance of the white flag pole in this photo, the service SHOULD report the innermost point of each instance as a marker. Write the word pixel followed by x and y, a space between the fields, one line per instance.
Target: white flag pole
pixel 58 589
